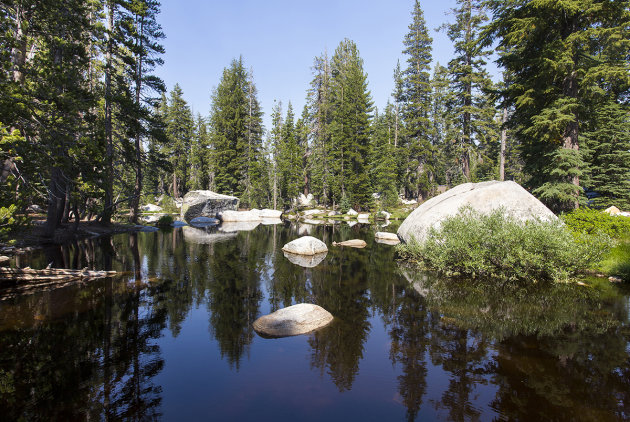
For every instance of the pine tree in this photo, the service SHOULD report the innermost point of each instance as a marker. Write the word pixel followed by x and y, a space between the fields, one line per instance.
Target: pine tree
pixel 143 37
pixel 383 158
pixel 253 180
pixel 289 160
pixel 471 86
pixel 179 130
pixel 318 103
pixel 275 141
pixel 417 93
pixel 351 106
pixel 200 156
pixel 443 134
pixel 607 153
pixel 559 55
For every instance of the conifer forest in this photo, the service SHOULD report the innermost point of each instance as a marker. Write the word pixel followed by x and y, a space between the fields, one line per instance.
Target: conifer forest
pixel 89 130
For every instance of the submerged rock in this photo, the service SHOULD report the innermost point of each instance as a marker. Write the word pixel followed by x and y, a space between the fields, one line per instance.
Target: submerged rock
pixel 306 261
pixel 354 243
pixel 483 197
pixel 205 203
pixel 306 245
pixel 179 224
pixel 387 238
pixel 292 321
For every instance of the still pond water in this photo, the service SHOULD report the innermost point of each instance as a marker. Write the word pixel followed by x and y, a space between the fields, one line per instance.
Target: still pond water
pixel 172 338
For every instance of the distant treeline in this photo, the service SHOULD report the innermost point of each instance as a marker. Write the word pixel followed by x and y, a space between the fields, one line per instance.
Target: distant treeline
pixel 87 128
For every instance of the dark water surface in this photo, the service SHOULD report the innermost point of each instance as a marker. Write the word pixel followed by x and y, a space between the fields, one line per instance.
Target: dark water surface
pixel 172 339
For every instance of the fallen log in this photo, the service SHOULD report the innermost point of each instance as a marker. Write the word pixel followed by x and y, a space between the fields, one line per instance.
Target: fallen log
pixel 15 276
pixel 354 243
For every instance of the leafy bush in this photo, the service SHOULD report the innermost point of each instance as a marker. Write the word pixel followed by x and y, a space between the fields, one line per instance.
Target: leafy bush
pixel 168 204
pixel 498 246
pixel 164 221
pixel 10 221
pixel 589 221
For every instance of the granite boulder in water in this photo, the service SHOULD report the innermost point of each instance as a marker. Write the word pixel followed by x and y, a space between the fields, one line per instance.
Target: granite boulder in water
pixel 292 321
pixel 205 203
pixel 484 197
pixel 305 245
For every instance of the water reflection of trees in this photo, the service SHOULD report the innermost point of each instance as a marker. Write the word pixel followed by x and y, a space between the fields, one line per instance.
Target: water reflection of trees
pixel 94 364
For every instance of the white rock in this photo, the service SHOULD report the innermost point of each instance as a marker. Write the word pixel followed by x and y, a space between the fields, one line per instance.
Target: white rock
pixel 352 223
pixel 409 202
pixel 267 213
pixel 151 208
pixel 306 261
pixel 365 217
pixel 353 243
pixel 483 197
pixel 236 216
pixel 311 212
pixel 387 238
pixel 179 224
pixel 333 213
pixel 305 200
pixel 612 210
pixel 352 212
pixel 306 245
pixel 292 321
pixel 383 215
pixel 313 221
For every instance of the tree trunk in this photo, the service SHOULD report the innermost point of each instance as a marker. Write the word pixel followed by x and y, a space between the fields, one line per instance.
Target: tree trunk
pixel 502 152
pixel 137 191
pixel 109 160
pixel 56 200
pixel 18 53
pixel 570 138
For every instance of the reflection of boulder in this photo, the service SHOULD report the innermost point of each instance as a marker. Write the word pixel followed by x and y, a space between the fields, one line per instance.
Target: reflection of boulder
pixel 305 229
pixel 351 211
pixel 482 197
pixel 313 221
pixel 205 203
pixel 205 236
pixel 352 223
pixel 243 226
pixel 271 221
pixel 305 245
pixel 148 229
pixel 292 321
pixel 306 261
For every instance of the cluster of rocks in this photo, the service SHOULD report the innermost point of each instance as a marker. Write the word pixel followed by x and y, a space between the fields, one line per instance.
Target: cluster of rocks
pixel 616 212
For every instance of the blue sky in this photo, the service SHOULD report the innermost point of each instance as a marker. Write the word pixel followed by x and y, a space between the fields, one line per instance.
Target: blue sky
pixel 280 38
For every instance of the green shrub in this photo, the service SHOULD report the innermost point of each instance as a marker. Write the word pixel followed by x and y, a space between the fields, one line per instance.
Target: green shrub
pixel 11 221
pixel 344 205
pixel 498 246
pixel 164 221
pixel 168 204
pixel 589 221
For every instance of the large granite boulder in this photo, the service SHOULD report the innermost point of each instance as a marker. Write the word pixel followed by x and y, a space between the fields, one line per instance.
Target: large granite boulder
pixel 483 197
pixel 267 213
pixel 292 321
pixel 205 203
pixel 305 245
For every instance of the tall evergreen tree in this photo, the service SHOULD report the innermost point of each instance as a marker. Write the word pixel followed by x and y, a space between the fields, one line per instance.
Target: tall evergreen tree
pixel 383 158
pixel 289 160
pixel 559 56
pixel 318 103
pixel 351 105
pixel 200 156
pixel 179 130
pixel 473 108
pixel 417 93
